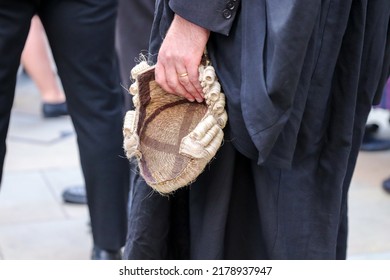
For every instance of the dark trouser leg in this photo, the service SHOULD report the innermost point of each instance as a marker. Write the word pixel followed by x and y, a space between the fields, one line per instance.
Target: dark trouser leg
pixel 15 17
pixel 134 23
pixel 81 34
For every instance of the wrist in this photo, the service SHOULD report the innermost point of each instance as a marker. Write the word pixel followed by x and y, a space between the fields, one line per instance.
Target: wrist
pixel 198 33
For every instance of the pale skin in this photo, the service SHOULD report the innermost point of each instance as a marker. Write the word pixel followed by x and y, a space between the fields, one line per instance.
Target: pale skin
pixel 37 62
pixel 180 54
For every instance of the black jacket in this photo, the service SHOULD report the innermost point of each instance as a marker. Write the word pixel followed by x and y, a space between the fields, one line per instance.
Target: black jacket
pixel 288 67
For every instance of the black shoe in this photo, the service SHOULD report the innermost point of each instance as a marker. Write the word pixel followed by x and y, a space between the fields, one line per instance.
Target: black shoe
pixel 371 129
pixel 386 185
pixel 371 143
pixel 100 254
pixel 375 144
pixel 75 195
pixel 53 110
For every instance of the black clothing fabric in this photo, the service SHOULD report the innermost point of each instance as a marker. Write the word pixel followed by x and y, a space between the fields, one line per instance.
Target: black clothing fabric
pixel 81 36
pixel 300 78
pixel 134 23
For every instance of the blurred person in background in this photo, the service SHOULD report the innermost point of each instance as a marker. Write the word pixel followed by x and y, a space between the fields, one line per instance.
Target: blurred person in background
pixel 134 22
pixel 36 60
pixel 81 34
pixel 372 142
pixel 385 103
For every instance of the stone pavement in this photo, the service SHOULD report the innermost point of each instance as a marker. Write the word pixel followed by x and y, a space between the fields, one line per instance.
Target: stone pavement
pixel 42 160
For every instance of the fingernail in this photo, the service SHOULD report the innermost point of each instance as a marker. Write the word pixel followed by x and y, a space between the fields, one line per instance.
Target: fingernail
pixel 200 100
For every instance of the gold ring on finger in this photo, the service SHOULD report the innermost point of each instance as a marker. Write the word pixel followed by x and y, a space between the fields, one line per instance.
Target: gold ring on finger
pixel 183 75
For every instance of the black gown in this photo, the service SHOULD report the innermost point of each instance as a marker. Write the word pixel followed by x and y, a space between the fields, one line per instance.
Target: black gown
pixel 300 78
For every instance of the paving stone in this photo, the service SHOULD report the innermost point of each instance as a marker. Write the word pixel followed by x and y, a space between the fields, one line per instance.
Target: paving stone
pixel 25 197
pixel 49 240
